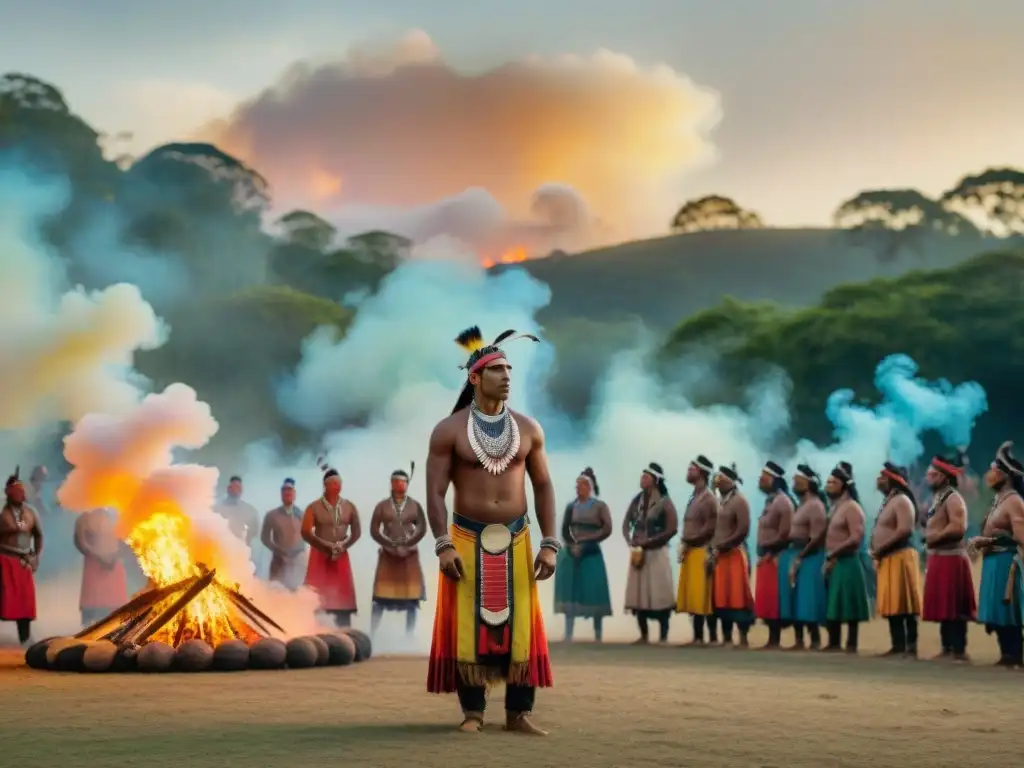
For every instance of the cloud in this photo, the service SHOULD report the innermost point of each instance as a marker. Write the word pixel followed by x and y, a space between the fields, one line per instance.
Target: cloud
pixel 400 128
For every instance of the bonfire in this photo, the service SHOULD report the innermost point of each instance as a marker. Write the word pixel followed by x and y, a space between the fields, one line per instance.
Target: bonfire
pixel 187 619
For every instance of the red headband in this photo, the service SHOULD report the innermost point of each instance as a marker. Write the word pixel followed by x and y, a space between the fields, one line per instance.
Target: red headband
pixel 948 469
pixel 895 477
pixel 484 361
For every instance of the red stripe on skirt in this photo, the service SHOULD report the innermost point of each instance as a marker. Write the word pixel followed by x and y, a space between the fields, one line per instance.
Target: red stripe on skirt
pixel 949 589
pixel 17 590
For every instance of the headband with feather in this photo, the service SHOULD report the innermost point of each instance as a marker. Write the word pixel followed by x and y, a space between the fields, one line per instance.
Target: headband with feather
pixel 481 354
pixel 14 479
pixel 326 468
pixel 401 474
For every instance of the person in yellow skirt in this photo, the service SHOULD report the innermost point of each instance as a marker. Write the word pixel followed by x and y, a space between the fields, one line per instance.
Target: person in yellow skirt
pixel 694 593
pixel 898 596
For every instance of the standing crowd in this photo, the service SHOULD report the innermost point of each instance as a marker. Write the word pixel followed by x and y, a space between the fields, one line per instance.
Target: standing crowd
pixel 817 565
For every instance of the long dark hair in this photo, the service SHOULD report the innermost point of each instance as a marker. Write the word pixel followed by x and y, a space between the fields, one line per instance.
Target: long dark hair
pixel 779 485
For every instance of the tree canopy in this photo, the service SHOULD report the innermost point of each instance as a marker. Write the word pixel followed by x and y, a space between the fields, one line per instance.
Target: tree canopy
pixel 714 212
pixel 964 323
pixel 993 198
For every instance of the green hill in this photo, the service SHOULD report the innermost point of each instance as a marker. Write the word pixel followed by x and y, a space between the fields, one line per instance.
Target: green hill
pixel 667 279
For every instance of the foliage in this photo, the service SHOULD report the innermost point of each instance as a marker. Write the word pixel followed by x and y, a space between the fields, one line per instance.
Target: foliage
pixel 714 212
pixel 894 220
pixel 964 323
pixel 235 349
pixel 994 198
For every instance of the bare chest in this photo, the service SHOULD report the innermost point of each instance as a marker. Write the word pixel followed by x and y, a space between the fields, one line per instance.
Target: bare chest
pixel 328 516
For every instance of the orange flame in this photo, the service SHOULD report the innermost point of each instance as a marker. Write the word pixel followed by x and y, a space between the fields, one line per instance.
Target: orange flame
pixel 513 255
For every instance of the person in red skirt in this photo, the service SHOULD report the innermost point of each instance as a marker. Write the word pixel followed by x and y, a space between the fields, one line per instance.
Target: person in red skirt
pixel 948 585
pixel 772 539
pixel 104 578
pixel 330 526
pixel 21 544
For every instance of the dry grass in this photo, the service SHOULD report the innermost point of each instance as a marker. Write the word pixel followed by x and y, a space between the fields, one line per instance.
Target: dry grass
pixel 613 706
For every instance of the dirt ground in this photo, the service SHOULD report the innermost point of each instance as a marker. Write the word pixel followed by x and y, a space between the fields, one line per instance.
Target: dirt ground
pixel 613 705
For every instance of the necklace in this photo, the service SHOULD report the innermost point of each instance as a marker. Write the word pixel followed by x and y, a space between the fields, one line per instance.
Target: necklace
pixel 494 439
pixel 335 509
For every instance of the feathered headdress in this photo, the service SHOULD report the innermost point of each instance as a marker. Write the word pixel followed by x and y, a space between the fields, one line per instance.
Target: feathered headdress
pixel 480 354
pixel 327 469
pixel 14 479
pixel 1007 462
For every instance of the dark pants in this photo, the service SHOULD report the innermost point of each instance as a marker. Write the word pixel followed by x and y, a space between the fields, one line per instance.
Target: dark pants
pixel 378 613
pixel 698 628
pixel 812 629
pixel 954 636
pixel 1011 645
pixel 774 632
pixel 903 633
pixel 727 625
pixel 518 698
pixel 662 617
pixel 835 634
pixel 342 619
pixel 24 629
pixel 570 625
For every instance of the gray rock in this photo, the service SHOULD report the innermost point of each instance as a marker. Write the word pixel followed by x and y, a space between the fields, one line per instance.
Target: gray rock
pixel 193 656
pixel 268 653
pixel 302 654
pixel 99 656
pixel 231 656
pixel 155 657
pixel 342 649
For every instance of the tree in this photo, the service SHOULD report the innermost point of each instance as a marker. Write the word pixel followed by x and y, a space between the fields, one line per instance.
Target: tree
pixel 964 323
pixel 714 212
pixel 307 229
pixel 205 179
pixel 384 248
pixel 994 199
pixel 895 220
pixel 234 349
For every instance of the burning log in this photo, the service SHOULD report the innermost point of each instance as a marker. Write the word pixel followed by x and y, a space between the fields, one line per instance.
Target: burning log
pixel 192 624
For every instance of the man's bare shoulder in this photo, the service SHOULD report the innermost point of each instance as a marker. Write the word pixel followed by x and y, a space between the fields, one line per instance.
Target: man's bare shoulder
pixel 447 428
pixel 1015 505
pixel 527 426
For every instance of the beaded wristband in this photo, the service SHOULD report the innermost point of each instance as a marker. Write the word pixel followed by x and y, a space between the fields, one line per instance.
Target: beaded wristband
pixel 550 542
pixel 441 543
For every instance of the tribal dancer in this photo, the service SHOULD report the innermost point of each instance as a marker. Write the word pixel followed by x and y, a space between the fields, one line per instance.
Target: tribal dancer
pixel 848 601
pixel 282 536
pixel 651 522
pixel 104 578
pixel 242 517
pixel 732 599
pixel 695 592
pixel 899 576
pixel 999 600
pixel 21 544
pixel 330 526
pixel 773 529
pixel 488 625
pixel 949 584
pixel 398 524
pixel 803 598
pixel 581 579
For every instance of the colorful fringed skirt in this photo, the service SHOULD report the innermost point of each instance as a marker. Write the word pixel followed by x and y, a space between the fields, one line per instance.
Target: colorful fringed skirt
pixel 847 591
pixel 693 594
pixel 899 584
pixel 999 599
pixel 949 587
pixel 398 583
pixel 733 600
pixel 581 583
pixel 488 625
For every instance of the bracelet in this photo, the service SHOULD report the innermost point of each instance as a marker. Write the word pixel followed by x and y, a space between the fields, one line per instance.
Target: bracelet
pixel 550 542
pixel 441 543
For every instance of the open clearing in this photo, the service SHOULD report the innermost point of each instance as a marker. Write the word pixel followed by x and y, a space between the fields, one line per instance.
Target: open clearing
pixel 614 705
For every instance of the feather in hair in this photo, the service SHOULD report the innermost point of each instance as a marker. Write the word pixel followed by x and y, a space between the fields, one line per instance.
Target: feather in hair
pixel 470 339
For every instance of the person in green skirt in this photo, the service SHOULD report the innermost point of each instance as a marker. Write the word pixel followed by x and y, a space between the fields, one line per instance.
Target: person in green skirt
pixel 844 573
pixel 581 579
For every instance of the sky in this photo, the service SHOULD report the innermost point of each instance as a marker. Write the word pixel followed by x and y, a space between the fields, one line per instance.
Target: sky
pixel 818 99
